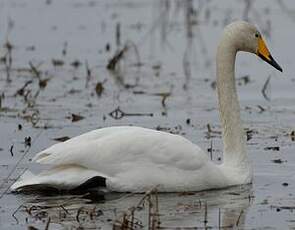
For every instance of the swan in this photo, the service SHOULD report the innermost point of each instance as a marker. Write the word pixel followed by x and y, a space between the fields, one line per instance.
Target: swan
pixel 134 159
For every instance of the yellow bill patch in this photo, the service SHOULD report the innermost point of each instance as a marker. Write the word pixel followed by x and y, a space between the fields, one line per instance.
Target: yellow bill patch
pixel 262 49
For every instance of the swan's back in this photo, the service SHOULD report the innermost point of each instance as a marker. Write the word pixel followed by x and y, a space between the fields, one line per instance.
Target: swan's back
pixel 112 150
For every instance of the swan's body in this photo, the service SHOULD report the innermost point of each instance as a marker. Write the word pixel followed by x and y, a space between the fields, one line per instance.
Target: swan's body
pixel 134 159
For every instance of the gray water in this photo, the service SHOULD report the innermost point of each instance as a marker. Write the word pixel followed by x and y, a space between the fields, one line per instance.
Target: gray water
pixel 168 70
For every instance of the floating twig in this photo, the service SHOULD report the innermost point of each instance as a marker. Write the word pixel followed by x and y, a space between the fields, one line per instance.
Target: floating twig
pixel 47 224
pixel 88 74
pixel 273 148
pixel 63 208
pixel 118 34
pixel 219 218
pixel 76 64
pixel 11 150
pixel 119 114
pixel 238 220
pixel 13 214
pixel 57 62
pixel 117 57
pixel 64 50
pixel 210 131
pixel 127 219
pixel 264 89
pixel 164 97
pixel 75 117
pixel 206 215
pixel 99 88
pixel 8 59
pixel 35 71
pixel 78 214
pixel 21 91
pixel 210 150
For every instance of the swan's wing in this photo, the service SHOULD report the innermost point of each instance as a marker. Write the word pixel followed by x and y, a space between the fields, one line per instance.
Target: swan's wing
pixel 85 138
pixel 123 148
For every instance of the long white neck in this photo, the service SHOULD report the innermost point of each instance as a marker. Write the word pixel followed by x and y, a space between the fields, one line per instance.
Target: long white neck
pixel 233 135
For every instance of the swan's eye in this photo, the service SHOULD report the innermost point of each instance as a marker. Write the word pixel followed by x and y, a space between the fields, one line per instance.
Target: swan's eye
pixel 257 35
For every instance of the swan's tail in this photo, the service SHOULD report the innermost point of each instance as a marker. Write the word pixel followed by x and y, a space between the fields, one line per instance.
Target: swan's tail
pixel 27 176
pixel 66 177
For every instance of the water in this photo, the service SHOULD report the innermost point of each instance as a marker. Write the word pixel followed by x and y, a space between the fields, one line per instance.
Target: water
pixel 168 71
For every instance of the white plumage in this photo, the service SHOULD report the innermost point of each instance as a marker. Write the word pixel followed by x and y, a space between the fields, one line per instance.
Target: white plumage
pixel 130 158
pixel 134 159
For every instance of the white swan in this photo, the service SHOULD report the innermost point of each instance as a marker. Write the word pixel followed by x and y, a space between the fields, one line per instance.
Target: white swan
pixel 133 159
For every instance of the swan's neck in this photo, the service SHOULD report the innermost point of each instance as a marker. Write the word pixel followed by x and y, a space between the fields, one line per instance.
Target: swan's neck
pixel 232 133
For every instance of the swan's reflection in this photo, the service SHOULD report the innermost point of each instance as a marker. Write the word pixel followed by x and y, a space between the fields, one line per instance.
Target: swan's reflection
pixel 226 208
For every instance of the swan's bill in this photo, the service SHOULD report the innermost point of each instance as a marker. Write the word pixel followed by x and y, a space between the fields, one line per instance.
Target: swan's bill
pixel 265 55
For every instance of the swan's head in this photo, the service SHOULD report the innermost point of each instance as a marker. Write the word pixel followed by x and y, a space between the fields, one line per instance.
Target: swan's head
pixel 246 37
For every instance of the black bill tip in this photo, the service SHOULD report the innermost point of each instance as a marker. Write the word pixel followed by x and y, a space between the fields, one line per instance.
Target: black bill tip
pixel 271 61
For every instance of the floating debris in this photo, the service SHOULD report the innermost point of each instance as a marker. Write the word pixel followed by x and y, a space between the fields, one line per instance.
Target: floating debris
pixel 35 70
pixel 238 220
pixel 211 132
pixel 292 135
pixel 75 117
pixel 265 89
pixel 28 141
pixel 213 85
pixel 57 62
pixel 76 64
pixel 250 133
pixel 108 47
pixel 283 207
pixel 38 73
pixel 119 114
pixel 88 74
pixel 278 161
pixel 156 66
pixel 164 97
pixel 206 215
pixel 117 57
pixel 33 117
pixel 43 83
pixel 11 150
pixel 273 148
pixel 173 130
pixel 30 48
pixel 128 221
pixel 210 150
pixel 7 59
pixel 21 91
pixel 243 80
pixel 118 34
pixel 64 50
pixel 261 108
pixel 99 88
